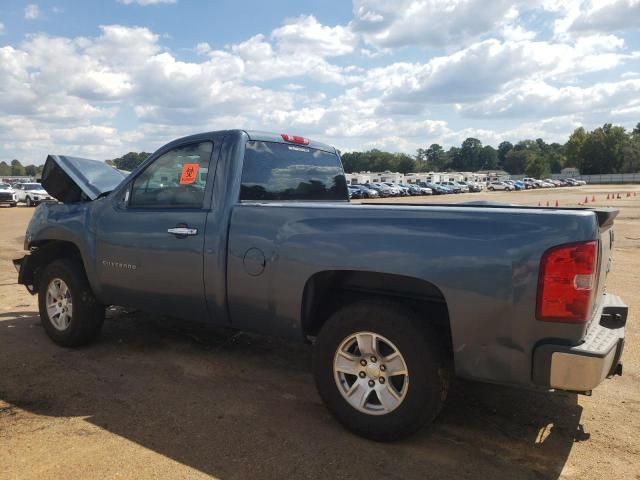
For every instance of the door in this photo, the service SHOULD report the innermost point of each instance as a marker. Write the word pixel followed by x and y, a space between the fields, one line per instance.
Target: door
pixel 150 240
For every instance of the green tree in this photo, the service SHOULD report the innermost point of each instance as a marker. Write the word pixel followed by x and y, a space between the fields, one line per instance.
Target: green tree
pixel 5 169
pixel 488 158
pixel 537 166
pixel 467 158
pixel 436 158
pixel 130 161
pixel 573 147
pixel 31 170
pixel 516 160
pixel 602 150
pixel 17 170
pixel 503 149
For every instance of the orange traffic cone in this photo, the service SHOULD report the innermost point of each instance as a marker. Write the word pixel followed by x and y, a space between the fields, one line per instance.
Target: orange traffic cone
pixel 557 204
pixel 593 198
pixel 586 199
pixel 607 196
pixel 628 194
pixel 547 203
pixel 619 197
pixel 538 203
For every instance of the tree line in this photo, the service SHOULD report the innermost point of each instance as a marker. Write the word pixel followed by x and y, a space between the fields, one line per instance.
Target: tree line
pixel 606 149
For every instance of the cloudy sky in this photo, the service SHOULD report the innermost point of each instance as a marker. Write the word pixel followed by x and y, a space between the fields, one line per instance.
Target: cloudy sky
pixel 102 78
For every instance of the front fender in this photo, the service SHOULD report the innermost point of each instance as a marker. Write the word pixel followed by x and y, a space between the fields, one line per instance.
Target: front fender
pixel 60 230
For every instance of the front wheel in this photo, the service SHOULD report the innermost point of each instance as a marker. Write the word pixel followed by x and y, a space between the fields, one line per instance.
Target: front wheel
pixel 380 369
pixel 69 311
pixel 29 202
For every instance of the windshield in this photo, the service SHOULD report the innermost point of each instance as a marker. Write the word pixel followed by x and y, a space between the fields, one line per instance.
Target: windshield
pixel 5 185
pixel 32 186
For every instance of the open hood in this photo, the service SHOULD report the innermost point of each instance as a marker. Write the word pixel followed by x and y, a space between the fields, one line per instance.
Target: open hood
pixel 73 179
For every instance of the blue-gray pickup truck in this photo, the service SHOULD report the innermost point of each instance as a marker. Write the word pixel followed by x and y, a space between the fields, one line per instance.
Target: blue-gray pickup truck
pixel 254 231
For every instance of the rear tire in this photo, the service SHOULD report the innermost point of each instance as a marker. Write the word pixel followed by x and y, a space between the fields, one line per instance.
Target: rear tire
pixel 491 189
pixel 391 326
pixel 70 313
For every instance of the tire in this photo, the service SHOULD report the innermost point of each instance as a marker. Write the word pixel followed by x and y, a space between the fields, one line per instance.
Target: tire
pixel 29 202
pixel 427 366
pixel 491 189
pixel 86 313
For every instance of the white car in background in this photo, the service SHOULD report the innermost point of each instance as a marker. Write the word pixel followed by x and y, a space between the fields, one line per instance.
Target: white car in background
pixel 499 186
pixel 32 194
pixel 8 195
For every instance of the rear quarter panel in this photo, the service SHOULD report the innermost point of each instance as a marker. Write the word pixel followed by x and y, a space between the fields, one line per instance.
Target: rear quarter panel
pixel 485 262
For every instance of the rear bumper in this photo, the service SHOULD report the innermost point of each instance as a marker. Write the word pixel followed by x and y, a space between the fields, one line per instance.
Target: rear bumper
pixel 581 368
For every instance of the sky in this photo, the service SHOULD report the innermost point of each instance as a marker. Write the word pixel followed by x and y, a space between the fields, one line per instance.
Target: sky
pixel 100 79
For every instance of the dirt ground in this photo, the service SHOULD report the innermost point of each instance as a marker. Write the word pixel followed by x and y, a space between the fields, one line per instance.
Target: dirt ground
pixel 156 398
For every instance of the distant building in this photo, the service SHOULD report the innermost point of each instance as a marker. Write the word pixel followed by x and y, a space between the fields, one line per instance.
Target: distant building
pixel 570 172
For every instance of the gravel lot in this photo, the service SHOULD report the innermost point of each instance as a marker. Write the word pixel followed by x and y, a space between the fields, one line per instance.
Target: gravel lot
pixel 156 398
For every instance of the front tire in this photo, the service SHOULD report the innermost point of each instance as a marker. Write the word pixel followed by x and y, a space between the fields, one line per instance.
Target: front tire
pixel 380 369
pixel 29 202
pixel 70 313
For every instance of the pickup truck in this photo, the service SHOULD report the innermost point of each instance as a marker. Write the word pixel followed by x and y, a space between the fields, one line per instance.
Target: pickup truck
pixel 254 231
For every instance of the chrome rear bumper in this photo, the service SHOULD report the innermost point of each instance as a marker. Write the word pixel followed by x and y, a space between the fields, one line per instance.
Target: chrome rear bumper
pixel 583 367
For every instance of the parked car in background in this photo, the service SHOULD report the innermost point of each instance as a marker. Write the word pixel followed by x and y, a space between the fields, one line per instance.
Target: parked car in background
pixel 530 183
pixel 513 184
pixel 436 189
pixel 520 184
pixel 453 186
pixel 397 189
pixel 366 191
pixel 382 189
pixel 8 195
pixel 471 186
pixel 32 194
pixel 579 182
pixel 354 192
pixel 499 186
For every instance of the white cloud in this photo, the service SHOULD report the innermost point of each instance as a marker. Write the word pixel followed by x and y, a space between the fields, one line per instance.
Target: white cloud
pixel 31 11
pixel 145 3
pixel 305 36
pixel 598 16
pixel 202 48
pixel 538 99
pixel 487 67
pixel 431 23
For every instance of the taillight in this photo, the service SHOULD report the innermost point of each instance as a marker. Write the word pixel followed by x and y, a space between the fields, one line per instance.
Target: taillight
pixel 295 139
pixel 566 283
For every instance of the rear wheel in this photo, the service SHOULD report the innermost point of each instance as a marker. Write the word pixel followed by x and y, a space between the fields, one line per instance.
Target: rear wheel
pixel 380 370
pixel 491 189
pixel 69 311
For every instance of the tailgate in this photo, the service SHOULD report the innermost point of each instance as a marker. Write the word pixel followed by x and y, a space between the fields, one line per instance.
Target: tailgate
pixel 605 223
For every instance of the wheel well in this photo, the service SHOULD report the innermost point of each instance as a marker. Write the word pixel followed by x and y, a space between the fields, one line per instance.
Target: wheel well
pixel 327 291
pixel 44 253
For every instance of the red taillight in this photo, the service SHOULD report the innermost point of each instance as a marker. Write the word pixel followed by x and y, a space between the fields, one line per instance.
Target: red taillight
pixel 567 282
pixel 295 139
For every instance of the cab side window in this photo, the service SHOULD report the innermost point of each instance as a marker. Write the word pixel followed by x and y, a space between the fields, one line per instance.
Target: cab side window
pixel 175 179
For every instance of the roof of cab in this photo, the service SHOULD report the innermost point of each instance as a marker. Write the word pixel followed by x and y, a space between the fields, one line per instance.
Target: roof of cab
pixel 253 135
pixel 277 137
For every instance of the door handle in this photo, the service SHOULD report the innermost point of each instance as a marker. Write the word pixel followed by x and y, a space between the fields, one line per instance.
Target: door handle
pixel 182 231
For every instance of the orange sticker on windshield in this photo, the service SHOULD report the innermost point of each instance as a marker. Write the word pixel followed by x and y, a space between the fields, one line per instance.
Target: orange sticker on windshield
pixel 189 173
